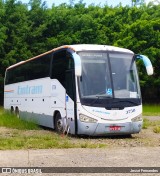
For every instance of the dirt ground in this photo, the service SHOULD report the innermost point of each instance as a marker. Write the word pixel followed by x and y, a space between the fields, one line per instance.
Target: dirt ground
pixel 146 138
pixel 141 150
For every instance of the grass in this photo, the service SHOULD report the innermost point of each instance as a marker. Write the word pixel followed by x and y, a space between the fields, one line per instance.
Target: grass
pixel 34 141
pixel 11 121
pixel 44 140
pixel 18 134
pixel 146 123
pixel 154 124
pixel 151 109
pixel 156 129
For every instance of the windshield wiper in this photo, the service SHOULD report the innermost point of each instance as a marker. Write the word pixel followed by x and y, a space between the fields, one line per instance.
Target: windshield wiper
pixel 98 97
pixel 129 101
pixel 103 93
pixel 103 96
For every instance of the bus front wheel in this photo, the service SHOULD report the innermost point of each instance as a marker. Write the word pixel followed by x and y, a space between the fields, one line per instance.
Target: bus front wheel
pixel 58 123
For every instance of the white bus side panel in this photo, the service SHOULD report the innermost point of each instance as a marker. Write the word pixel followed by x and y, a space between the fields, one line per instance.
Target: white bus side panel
pixel 36 100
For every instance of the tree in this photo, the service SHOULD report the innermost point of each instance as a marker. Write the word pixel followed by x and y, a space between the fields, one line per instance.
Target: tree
pixel 26 32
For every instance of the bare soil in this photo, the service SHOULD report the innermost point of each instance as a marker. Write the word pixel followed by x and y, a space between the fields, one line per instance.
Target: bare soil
pixel 146 138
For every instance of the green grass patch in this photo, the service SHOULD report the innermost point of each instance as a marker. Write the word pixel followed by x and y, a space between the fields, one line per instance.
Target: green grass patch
pixel 151 110
pixel 19 140
pixel 1 110
pixel 34 141
pixel 155 125
pixel 156 129
pixel 18 134
pixel 92 145
pixel 146 123
pixel 11 121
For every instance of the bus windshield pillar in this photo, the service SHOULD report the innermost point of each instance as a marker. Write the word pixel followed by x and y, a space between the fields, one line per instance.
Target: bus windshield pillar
pixel 78 66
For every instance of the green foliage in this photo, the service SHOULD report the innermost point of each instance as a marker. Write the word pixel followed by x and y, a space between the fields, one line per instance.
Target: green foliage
pixel 151 110
pixel 29 30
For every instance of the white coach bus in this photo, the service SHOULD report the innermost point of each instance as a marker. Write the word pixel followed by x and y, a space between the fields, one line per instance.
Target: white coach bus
pixel 79 89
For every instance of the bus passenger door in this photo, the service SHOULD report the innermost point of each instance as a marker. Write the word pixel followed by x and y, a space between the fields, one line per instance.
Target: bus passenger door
pixel 70 101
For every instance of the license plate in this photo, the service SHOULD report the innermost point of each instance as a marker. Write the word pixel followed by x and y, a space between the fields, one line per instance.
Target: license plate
pixel 115 128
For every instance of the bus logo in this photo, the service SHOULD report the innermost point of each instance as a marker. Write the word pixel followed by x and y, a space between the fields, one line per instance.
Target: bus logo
pixel 26 90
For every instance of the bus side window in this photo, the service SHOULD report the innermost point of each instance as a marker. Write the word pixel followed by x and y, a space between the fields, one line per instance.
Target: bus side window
pixel 40 67
pixel 59 66
pixel 62 67
pixel 69 77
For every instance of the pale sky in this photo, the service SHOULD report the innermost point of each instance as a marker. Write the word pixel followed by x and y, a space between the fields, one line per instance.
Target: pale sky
pixel 110 2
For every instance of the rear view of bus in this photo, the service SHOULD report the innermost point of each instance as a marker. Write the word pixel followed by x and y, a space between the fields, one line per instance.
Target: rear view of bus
pixel 79 89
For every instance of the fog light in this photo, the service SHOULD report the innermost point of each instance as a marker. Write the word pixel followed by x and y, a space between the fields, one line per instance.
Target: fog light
pixel 137 118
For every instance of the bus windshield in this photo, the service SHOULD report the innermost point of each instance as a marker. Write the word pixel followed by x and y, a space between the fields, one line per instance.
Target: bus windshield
pixel 108 75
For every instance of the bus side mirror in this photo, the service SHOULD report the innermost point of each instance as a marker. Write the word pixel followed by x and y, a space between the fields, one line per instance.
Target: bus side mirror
pixel 147 63
pixel 77 63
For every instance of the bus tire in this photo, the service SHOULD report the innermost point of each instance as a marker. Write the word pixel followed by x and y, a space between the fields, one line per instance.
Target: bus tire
pixel 17 112
pixel 58 123
pixel 12 109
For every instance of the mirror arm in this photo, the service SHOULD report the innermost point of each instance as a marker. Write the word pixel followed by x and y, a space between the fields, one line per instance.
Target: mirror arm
pixel 147 63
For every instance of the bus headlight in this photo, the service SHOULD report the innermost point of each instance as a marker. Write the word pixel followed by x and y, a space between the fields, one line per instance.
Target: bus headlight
pixel 137 118
pixel 84 118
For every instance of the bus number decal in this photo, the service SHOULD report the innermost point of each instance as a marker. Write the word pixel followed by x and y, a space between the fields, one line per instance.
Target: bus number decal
pixel 130 111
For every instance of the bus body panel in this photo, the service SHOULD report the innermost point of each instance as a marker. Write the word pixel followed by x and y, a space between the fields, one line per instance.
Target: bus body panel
pixel 40 94
pixel 104 129
pixel 106 119
pixel 47 96
pixel 114 115
pixel 40 119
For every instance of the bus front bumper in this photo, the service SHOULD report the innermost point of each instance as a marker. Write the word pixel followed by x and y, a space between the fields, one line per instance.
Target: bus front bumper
pixel 106 129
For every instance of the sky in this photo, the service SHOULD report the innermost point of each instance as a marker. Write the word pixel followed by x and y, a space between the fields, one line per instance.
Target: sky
pixel 109 2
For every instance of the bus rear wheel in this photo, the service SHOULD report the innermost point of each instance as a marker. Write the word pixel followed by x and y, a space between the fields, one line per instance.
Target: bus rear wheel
pixel 17 112
pixel 12 109
pixel 58 123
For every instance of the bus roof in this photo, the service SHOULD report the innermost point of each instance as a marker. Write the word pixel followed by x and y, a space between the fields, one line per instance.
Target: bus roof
pixel 83 47
pixel 76 48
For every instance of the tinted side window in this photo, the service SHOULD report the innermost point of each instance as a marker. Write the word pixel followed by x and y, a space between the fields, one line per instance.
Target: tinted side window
pixel 59 66
pixel 38 68
pixel 15 75
pixel 62 61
